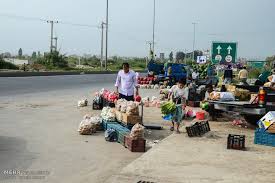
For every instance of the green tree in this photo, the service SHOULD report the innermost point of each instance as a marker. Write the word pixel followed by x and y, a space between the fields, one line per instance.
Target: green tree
pixel 20 53
pixel 54 59
pixel 180 56
pixel 171 57
pixel 7 65
pixel 34 55
pixel 270 61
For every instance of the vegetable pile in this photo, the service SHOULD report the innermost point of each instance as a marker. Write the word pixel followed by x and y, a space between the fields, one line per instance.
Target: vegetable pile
pixel 168 108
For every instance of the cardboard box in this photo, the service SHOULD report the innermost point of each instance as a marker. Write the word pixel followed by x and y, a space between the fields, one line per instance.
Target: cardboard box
pixel 266 121
pixel 271 128
pixel 130 119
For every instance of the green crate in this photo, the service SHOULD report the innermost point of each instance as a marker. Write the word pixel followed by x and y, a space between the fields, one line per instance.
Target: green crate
pixel 120 137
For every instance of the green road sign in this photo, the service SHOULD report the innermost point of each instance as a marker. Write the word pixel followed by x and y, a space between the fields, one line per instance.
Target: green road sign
pixel 224 52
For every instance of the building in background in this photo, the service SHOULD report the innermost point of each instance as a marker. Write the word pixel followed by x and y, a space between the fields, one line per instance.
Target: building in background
pixel 17 61
pixel 256 64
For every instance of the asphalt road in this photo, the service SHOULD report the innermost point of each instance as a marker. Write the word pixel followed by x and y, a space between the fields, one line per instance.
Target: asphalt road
pixel 10 86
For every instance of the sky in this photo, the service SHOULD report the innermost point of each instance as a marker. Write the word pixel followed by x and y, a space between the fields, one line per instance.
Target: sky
pixel 250 23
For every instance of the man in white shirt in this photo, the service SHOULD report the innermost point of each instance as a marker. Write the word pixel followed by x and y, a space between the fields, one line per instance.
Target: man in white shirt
pixel 126 83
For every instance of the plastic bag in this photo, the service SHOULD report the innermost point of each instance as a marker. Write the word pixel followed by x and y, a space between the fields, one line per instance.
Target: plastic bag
pixel 227 96
pixel 132 108
pixel 110 135
pixel 82 103
pixel 86 126
pixel 108 114
pixel 137 131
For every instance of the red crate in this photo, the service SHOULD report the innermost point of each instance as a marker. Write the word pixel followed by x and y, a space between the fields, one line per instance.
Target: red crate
pixel 137 145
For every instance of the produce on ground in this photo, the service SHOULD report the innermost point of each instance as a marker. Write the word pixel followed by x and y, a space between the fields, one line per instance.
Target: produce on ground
pixel 137 131
pixel 88 125
pixel 82 103
pixel 108 114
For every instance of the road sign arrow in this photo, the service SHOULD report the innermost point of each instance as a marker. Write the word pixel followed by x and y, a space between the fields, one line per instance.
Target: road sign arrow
pixel 219 49
pixel 229 50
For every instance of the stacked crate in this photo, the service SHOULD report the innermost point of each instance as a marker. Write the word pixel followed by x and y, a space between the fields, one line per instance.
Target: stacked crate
pixel 135 145
pixel 120 130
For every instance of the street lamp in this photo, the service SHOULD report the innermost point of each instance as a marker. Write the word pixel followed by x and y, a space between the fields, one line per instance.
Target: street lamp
pixel 194 39
pixel 154 21
pixel 107 25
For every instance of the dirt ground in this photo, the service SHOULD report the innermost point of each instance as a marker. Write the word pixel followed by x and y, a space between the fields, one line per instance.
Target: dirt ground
pixel 39 133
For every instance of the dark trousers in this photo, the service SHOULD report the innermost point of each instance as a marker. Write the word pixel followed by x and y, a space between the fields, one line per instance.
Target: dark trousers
pixel 212 112
pixel 128 98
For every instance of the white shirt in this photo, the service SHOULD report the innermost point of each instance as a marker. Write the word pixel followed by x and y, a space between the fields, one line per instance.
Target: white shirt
pixel 178 92
pixel 273 79
pixel 126 82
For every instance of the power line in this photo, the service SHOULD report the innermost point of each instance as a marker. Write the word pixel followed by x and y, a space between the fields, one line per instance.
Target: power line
pixel 19 17
pixel 23 17
pixel 79 25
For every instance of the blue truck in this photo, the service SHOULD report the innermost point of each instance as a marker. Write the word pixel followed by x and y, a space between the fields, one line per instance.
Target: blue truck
pixel 179 71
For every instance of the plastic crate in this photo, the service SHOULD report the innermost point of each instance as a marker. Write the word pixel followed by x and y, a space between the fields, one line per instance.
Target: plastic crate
pixel 198 129
pixel 264 138
pixel 97 106
pixel 236 142
pixel 129 126
pixel 121 137
pixel 137 145
pixel 104 124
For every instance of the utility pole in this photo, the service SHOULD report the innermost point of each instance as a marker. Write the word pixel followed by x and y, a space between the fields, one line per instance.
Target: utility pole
pixel 194 40
pixel 55 43
pixel 154 21
pixel 150 44
pixel 52 23
pixel 107 25
pixel 102 46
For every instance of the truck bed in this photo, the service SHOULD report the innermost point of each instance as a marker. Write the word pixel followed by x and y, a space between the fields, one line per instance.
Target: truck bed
pixel 243 107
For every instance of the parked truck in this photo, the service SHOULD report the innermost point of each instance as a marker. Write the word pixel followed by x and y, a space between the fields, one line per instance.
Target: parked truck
pixel 252 112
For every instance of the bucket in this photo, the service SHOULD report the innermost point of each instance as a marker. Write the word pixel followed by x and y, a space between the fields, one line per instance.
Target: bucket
pixel 200 116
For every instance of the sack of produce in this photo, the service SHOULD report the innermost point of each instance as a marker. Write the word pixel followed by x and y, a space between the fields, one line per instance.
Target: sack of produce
pixel 242 94
pixel 137 131
pixel 132 108
pixel 227 96
pixel 119 116
pixel 215 95
pixel 156 87
pixel 119 103
pixel 86 126
pixel 110 135
pixel 108 114
pixel 268 84
pixel 82 103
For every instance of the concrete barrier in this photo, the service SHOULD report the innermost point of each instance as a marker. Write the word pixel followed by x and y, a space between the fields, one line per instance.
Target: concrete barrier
pixel 29 74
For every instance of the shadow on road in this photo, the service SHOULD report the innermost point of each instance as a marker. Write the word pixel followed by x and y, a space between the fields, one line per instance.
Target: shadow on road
pixel 13 155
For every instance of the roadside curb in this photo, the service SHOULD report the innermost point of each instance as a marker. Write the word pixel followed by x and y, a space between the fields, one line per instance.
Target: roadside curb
pixel 29 74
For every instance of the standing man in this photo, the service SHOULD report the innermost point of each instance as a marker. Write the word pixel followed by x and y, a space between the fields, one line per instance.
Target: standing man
pixel 243 75
pixel 126 83
pixel 228 75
